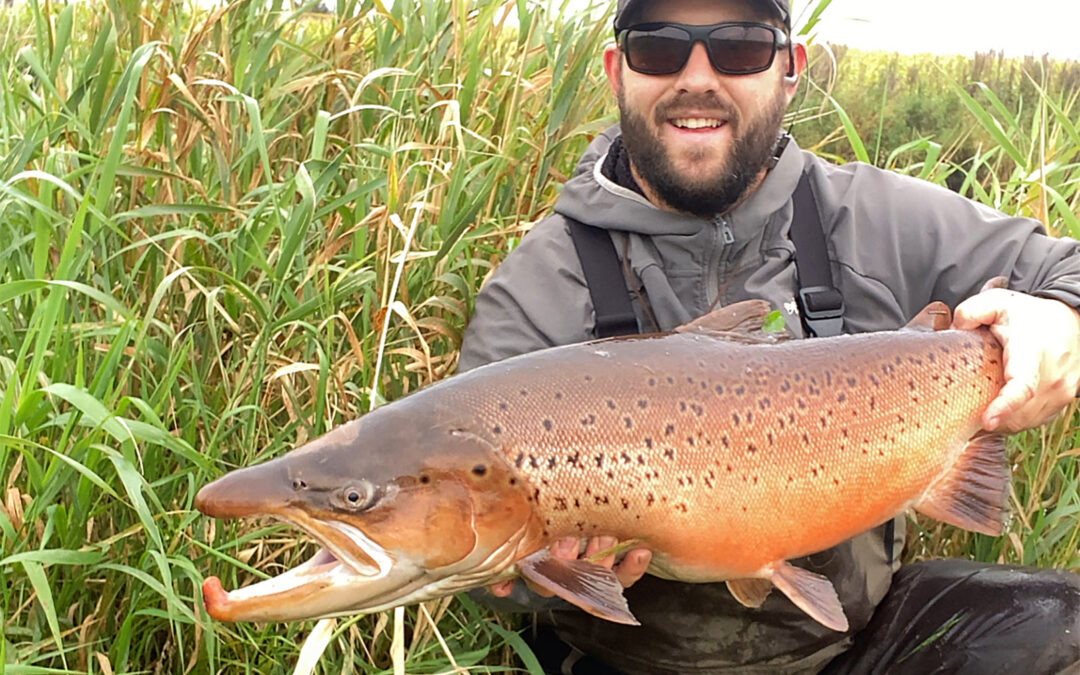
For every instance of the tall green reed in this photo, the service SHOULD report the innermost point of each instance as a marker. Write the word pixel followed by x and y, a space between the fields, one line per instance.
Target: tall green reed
pixel 204 212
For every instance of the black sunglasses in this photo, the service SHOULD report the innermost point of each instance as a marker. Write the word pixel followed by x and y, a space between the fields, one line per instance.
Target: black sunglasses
pixel 734 48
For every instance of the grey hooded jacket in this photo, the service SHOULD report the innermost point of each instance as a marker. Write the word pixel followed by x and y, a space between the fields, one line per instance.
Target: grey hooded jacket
pixel 895 244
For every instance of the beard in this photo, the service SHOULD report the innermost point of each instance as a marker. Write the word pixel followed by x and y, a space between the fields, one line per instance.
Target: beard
pixel 715 193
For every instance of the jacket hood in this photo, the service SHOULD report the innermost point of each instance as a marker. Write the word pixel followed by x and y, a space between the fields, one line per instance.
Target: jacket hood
pixel 591 197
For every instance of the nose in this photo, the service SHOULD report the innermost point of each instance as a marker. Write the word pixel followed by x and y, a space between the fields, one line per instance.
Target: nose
pixel 698 73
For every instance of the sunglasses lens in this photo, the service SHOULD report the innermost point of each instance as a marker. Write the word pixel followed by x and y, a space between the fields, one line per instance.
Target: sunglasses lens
pixel 662 51
pixel 738 50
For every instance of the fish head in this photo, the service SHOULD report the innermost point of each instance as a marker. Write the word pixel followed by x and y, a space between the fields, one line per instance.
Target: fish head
pixel 404 511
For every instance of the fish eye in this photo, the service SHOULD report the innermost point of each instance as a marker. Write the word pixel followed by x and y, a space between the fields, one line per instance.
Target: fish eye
pixel 358 497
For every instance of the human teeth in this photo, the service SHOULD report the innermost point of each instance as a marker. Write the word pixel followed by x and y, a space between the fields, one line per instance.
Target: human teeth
pixel 696 123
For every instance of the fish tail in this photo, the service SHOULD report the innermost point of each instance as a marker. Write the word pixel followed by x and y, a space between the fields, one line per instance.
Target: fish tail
pixel 974 493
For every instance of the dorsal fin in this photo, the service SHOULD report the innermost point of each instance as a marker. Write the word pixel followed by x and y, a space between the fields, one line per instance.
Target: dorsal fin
pixel 743 321
pixel 934 317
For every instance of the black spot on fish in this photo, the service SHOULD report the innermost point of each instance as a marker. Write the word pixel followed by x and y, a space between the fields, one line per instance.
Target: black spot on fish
pixel 648 444
pixel 629 422
pixel 520 460
pixel 643 404
pixel 755 480
pixel 726 441
pixel 740 390
pixel 574 459
pixel 751 448
pixel 625 503
pixel 785 387
pixel 600 461
pixel 524 392
pixel 558 396
pixel 649 499
pixel 736 419
pixel 670 380
pixel 682 406
pixel 611 474
pixel 497 430
pixel 730 468
pixel 911 384
pixel 749 417
pixel 670 429
pixel 802 404
pixel 588 378
pixel 720 390
pixel 560 505
pixel 533 462
pixel 806 438
pixel 611 404
pixel 548 425
pixel 626 457
pixel 690 440
pixel 552 462
pixel 425 479
pixel 513 481
pixel 479 470
pixel 641 459
pixel 841 397
pixel 669 453
pixel 652 381
pixel 504 406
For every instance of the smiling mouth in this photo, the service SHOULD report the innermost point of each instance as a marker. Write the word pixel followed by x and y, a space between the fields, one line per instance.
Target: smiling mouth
pixel 697 123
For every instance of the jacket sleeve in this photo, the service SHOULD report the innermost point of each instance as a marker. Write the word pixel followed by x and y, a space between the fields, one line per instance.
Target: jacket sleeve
pixel 929 243
pixel 537 298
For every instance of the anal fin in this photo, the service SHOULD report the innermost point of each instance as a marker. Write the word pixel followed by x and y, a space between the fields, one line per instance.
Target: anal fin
pixel 591 587
pixel 974 493
pixel 812 593
pixel 750 592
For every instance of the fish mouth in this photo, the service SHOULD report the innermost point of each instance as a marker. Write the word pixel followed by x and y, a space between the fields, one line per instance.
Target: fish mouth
pixel 346 571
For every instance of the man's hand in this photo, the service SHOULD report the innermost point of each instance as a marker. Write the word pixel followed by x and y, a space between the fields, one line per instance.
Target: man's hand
pixel 629 570
pixel 1041 339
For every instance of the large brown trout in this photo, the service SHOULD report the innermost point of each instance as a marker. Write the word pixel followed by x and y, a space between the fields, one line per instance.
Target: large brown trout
pixel 725 451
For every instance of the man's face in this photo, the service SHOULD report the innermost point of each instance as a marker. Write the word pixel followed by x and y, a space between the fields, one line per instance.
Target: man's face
pixel 699 139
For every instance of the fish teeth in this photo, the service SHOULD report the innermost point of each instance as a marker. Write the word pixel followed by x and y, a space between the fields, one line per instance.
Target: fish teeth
pixel 697 123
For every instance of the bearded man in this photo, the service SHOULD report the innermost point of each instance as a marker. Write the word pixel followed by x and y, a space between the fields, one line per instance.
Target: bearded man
pixel 696 191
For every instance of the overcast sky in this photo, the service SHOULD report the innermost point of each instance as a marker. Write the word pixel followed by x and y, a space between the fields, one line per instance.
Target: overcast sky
pixel 946 26
pixel 955 26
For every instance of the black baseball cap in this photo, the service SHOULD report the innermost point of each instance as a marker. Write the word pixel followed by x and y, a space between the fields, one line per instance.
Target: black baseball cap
pixel 779 8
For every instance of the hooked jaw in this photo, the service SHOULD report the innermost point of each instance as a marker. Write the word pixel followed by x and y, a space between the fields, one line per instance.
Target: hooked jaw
pixel 349 566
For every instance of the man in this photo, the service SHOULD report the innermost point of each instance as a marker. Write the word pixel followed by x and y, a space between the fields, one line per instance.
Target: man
pixel 699 210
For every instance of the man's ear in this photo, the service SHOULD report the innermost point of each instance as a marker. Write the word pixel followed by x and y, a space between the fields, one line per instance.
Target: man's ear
pixel 791 81
pixel 613 68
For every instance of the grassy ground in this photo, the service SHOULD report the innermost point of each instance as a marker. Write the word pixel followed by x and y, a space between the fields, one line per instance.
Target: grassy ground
pixel 223 232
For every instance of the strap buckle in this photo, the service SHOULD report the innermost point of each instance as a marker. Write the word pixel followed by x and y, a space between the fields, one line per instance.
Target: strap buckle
pixel 822 309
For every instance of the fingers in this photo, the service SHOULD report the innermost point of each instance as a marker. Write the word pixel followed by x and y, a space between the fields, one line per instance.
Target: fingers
pixel 1021 386
pixel 502 589
pixel 633 566
pixel 983 309
pixel 598 544
pixel 628 571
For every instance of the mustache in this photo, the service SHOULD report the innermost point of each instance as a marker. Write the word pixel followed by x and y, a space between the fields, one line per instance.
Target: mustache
pixel 699 103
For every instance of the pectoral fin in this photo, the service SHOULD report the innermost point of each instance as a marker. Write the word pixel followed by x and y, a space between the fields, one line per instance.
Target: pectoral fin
pixel 812 593
pixel 750 592
pixel 591 587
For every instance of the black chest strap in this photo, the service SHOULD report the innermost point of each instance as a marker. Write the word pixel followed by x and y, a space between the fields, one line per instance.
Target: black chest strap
pixel 607 285
pixel 821 306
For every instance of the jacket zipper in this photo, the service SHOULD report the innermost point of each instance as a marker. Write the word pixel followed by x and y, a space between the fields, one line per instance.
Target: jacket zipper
pixel 719 258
